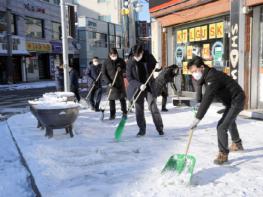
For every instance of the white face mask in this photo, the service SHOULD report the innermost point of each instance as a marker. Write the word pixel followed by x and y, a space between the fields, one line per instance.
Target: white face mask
pixel 95 63
pixel 113 58
pixel 197 75
pixel 138 58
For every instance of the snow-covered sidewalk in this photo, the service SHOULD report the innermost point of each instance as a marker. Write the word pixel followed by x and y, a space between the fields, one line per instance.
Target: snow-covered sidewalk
pixel 31 85
pixel 13 176
pixel 93 164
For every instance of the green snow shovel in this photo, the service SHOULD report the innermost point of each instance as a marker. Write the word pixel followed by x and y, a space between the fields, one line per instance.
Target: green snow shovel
pixel 119 130
pixel 181 162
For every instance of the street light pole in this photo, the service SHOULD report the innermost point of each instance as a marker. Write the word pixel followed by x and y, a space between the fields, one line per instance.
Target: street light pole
pixel 64 45
pixel 9 66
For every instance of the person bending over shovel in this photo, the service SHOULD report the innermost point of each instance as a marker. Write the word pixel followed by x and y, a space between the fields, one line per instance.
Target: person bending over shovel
pixel 221 86
pixel 139 67
pixel 109 71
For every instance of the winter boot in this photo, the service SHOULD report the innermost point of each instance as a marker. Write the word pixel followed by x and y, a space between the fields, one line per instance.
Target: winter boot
pixel 236 147
pixel 164 110
pixel 124 115
pixel 161 132
pixel 221 158
pixel 141 133
pixel 112 117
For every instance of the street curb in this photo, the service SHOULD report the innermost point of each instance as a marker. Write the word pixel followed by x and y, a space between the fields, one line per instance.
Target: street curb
pixel 252 114
pixel 24 163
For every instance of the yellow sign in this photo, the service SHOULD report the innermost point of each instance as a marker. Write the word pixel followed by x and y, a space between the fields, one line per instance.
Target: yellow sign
pixel 185 70
pixel 209 63
pixel 185 36
pixel 212 31
pixel 189 52
pixel 192 35
pixel 38 47
pixel 125 11
pixel 179 37
pixel 197 33
pixel 206 51
pixel 220 30
pixel 204 32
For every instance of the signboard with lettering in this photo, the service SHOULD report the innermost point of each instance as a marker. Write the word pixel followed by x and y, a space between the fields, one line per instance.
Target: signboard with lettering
pixel 200 33
pixel 38 47
pixel 234 39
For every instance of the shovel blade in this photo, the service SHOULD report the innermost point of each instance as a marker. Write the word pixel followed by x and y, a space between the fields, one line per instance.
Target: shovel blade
pixel 119 130
pixel 180 163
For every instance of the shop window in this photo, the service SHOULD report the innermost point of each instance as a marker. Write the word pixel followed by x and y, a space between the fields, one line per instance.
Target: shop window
pixel 56 31
pixel 207 40
pixel 34 27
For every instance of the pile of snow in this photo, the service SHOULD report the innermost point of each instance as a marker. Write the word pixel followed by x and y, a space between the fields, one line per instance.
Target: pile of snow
pixel 54 100
pixel 93 164
pixel 56 105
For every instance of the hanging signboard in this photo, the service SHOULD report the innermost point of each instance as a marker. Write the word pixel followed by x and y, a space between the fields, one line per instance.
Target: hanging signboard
pixel 234 38
pixel 206 51
pixel 189 52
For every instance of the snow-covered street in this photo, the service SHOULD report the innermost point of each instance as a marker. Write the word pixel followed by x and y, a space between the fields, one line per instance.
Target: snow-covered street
pixel 93 164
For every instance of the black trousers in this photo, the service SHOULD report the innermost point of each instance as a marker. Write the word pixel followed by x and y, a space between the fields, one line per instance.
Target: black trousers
pixel 228 123
pixel 95 97
pixel 113 106
pixel 139 109
pixel 76 92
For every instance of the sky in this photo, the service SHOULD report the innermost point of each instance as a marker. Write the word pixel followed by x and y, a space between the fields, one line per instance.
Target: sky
pixel 144 14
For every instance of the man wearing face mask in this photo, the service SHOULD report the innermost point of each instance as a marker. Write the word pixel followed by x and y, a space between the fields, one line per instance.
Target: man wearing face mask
pixel 139 68
pixel 109 70
pixel 92 72
pixel 224 88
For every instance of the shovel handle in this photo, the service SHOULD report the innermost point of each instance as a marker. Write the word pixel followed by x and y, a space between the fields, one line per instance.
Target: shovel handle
pixel 114 80
pixel 93 86
pixel 189 142
pixel 147 81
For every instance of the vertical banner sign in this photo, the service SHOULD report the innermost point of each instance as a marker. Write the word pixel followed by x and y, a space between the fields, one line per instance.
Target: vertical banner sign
pixel 234 40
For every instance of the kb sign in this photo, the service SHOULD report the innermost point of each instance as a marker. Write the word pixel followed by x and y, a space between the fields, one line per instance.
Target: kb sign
pixel 234 39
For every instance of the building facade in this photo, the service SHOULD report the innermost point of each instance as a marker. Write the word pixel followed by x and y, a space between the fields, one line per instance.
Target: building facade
pixel 226 33
pixel 110 11
pixel 37 47
pixel 96 38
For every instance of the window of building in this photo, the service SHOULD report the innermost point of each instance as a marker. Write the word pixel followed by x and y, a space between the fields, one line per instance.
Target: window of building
pixel 97 39
pixel 112 40
pixel 3 23
pixel 57 2
pixel 34 27
pixel 56 31
pixel 118 42
pixel 106 18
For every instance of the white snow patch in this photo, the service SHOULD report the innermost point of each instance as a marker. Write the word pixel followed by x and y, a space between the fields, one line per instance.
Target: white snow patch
pixel 93 164
pixel 32 85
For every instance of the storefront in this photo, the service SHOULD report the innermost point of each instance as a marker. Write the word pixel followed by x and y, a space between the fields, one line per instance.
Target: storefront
pixel 207 39
pixel 257 59
pixel 37 64
pixel 18 55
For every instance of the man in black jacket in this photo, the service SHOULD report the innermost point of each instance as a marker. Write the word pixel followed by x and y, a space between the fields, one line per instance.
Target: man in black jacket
pixel 109 69
pixel 139 67
pixel 92 72
pixel 221 86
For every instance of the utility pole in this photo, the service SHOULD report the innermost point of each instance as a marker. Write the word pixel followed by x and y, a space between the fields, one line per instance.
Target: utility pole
pixel 10 67
pixel 64 45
